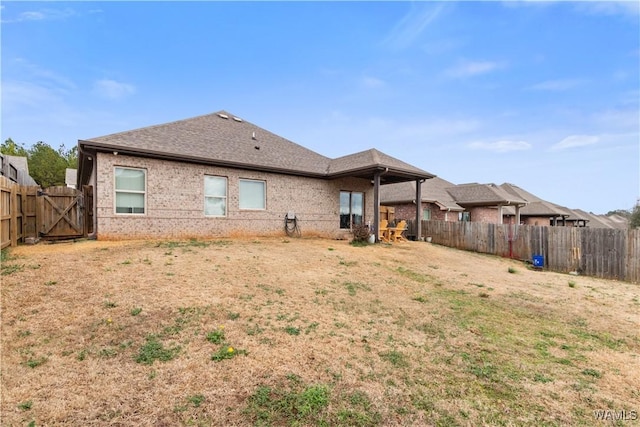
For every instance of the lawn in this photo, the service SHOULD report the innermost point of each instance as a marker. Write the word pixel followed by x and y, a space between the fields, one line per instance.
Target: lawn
pixel 297 332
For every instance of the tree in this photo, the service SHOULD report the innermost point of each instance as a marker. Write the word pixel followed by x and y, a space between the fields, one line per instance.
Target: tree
pixel 634 219
pixel 10 148
pixel 71 156
pixel 622 212
pixel 46 165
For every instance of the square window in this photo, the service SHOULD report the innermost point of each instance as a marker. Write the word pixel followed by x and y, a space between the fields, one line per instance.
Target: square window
pixel 253 194
pixel 130 190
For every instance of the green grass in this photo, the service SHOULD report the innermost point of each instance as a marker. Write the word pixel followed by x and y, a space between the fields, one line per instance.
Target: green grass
pixel 216 337
pixel 396 358
pixel 292 330
pixel 35 362
pixel 26 405
pixel 153 350
pixel 354 287
pixel 227 352
pixel 415 276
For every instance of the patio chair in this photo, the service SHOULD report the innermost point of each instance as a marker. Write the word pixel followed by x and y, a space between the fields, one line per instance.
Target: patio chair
pixel 383 231
pixel 396 232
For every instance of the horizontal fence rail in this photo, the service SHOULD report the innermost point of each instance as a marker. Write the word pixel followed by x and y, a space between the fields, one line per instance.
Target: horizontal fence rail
pixel 598 252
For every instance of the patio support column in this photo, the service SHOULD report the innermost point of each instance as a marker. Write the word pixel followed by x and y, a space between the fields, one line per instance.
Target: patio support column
pixel 517 214
pixel 500 214
pixel 419 209
pixel 376 205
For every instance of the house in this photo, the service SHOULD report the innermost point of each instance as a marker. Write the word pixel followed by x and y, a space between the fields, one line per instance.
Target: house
pixel 16 168
pixel 220 175
pixel 488 202
pixel 541 212
pixel 437 203
pixel 71 177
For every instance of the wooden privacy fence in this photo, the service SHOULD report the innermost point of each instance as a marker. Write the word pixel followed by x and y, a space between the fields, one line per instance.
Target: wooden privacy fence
pixel 55 213
pixel 599 252
pixel 18 207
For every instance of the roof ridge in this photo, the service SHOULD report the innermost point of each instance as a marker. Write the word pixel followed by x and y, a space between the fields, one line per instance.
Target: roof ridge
pixel 173 122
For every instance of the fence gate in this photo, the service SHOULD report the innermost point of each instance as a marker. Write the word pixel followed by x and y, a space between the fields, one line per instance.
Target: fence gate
pixel 61 213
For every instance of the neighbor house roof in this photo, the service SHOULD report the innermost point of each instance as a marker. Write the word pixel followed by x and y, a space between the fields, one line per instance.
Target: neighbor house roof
pixel 432 191
pixel 20 166
pixel 535 205
pixel 224 139
pixel 474 194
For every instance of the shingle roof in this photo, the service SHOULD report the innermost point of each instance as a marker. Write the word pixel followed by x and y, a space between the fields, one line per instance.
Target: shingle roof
pixel 535 206
pixel 474 194
pixel 432 191
pixel 220 137
pixel 224 139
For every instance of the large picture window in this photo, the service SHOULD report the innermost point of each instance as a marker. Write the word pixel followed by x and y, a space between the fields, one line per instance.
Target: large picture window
pixel 215 196
pixel 130 190
pixel 351 209
pixel 253 194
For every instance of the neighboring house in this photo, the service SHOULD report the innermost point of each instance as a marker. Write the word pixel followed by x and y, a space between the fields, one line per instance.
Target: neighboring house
pixel 603 221
pixel 71 177
pixel 488 203
pixel 575 218
pixel 538 211
pixel 437 203
pixel 16 168
pixel 617 221
pixel 219 175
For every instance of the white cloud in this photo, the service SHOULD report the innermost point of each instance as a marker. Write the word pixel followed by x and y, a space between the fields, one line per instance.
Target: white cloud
pixel 574 141
pixel 558 85
pixel 619 119
pixel 41 15
pixel 372 82
pixel 625 8
pixel 112 89
pixel 413 24
pixel 503 146
pixel 473 68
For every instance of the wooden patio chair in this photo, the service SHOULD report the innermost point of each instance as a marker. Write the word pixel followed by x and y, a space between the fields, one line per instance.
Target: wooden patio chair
pixel 396 232
pixel 383 231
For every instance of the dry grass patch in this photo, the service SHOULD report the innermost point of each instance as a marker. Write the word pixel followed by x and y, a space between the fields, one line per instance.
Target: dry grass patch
pixel 307 332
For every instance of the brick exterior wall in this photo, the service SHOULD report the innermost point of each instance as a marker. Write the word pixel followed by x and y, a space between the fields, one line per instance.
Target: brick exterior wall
pixel 408 211
pixel 484 214
pixel 537 220
pixel 175 202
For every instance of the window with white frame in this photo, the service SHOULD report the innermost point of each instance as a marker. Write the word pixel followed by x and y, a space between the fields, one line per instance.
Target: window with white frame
pixel 215 196
pixel 351 209
pixel 252 194
pixel 130 190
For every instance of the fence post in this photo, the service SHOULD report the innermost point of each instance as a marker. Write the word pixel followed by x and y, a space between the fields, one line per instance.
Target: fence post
pixel 13 222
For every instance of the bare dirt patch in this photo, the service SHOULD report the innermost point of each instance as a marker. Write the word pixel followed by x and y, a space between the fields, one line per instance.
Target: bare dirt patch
pixel 278 331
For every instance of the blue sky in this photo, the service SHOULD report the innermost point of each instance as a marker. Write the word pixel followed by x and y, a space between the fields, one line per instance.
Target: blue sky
pixel 542 95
